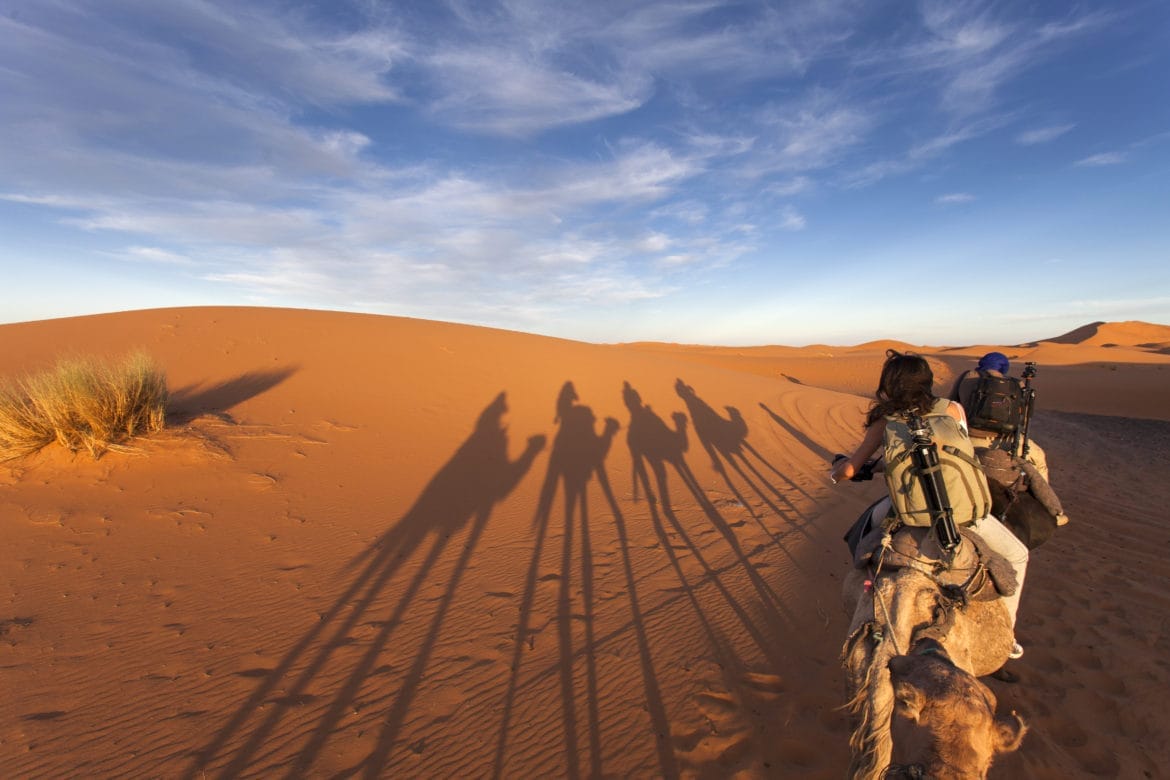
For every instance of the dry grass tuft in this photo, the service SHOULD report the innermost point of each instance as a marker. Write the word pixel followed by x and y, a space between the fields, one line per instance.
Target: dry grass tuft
pixel 82 404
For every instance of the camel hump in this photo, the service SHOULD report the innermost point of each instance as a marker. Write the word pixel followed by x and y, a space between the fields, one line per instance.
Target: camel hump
pixel 916 545
pixel 918 548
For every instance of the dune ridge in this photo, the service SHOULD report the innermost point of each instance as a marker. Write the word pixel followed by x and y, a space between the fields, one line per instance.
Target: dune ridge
pixel 1132 333
pixel 390 547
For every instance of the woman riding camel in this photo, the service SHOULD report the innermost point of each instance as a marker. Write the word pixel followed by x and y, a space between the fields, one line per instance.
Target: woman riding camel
pixel 906 388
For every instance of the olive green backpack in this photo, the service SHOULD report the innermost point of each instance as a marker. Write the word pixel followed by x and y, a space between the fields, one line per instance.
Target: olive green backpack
pixel 966 486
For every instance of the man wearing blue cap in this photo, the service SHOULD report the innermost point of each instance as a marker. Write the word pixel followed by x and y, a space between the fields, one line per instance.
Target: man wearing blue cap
pixel 995 364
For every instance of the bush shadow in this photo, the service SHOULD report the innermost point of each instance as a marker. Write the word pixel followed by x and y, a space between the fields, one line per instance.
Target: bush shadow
pixel 195 400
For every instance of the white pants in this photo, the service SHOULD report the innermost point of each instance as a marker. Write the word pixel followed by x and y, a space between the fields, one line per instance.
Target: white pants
pixel 998 538
pixel 1003 542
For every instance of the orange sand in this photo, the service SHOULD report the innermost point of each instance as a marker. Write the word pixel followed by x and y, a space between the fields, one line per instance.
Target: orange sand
pixel 371 545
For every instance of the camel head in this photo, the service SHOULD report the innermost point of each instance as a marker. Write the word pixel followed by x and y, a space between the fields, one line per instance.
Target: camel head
pixel 944 724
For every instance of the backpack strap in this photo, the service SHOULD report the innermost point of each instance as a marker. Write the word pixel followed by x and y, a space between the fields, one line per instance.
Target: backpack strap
pixel 939 408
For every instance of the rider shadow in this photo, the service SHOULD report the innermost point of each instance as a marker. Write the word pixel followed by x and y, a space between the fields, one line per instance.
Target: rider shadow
pixel 193 401
pixel 725 441
pixel 653 443
pixel 578 455
pixel 463 492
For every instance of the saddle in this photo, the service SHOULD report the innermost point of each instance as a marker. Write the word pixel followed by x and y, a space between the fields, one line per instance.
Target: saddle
pixel 917 547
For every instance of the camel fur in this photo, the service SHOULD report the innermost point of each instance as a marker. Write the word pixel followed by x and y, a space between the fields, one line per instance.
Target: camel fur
pixel 944 724
pixel 892 610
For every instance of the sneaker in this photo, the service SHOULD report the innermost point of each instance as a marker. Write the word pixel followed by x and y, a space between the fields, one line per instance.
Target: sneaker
pixel 1062 519
pixel 1017 651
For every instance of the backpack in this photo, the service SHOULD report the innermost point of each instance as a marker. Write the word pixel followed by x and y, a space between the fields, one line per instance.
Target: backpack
pixel 966 486
pixel 997 404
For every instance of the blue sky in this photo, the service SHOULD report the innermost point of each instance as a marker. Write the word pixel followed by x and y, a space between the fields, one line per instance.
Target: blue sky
pixel 743 173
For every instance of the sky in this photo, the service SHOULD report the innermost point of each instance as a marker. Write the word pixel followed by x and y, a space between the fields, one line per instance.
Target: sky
pixel 726 173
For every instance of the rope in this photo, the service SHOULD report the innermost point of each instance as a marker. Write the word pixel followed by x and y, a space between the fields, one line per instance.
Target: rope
pixel 944 590
pixel 877 593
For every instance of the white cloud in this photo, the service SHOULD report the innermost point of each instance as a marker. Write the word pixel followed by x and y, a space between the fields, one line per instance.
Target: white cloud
pixel 150 254
pixel 1043 135
pixel 791 219
pixel 690 212
pixel 643 171
pixel 669 38
pixel 484 160
pixel 953 198
pixel 812 133
pixel 922 152
pixel 793 186
pixel 969 50
pixel 499 91
pixel 654 242
pixel 1104 158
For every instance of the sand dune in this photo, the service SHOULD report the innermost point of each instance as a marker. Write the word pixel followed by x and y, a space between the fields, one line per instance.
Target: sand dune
pixel 389 547
pixel 1117 334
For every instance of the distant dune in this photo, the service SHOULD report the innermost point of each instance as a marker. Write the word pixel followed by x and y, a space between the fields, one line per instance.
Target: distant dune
pixel 1142 335
pixel 392 547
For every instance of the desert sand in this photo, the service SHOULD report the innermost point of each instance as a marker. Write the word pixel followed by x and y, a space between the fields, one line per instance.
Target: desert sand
pixel 388 547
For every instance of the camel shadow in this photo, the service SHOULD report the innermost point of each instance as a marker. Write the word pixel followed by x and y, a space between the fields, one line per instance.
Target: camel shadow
pixel 653 446
pixel 725 440
pixel 458 499
pixel 193 401
pixel 578 455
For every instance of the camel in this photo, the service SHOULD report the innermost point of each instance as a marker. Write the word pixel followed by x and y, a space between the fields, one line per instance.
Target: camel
pixel 1021 496
pixel 944 724
pixel 921 634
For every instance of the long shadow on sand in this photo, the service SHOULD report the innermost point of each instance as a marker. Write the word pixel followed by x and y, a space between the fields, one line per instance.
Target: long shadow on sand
pixel 726 594
pixel 725 441
pixel 821 452
pixel 192 401
pixel 655 445
pixel 463 492
pixel 578 455
pixel 718 580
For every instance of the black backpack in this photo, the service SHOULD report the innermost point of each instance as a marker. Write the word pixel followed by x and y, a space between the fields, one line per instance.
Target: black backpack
pixel 997 404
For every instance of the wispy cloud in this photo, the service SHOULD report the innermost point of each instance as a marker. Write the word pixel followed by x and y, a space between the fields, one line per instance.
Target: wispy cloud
pixel 1043 135
pixel 967 51
pixel 1102 159
pixel 150 254
pixel 791 219
pixel 498 91
pixel 494 159
pixel 920 153
pixel 812 133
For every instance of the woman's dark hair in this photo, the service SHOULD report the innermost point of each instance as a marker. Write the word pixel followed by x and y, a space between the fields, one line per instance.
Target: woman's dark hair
pixel 906 386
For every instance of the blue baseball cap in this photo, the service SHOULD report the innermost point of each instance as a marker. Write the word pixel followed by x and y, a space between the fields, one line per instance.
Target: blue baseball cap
pixel 994 361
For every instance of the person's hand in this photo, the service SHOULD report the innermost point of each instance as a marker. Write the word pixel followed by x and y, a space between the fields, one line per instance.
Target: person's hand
pixel 865 473
pixel 842 468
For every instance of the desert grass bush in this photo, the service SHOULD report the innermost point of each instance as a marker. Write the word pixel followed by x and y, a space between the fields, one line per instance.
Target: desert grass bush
pixel 82 404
